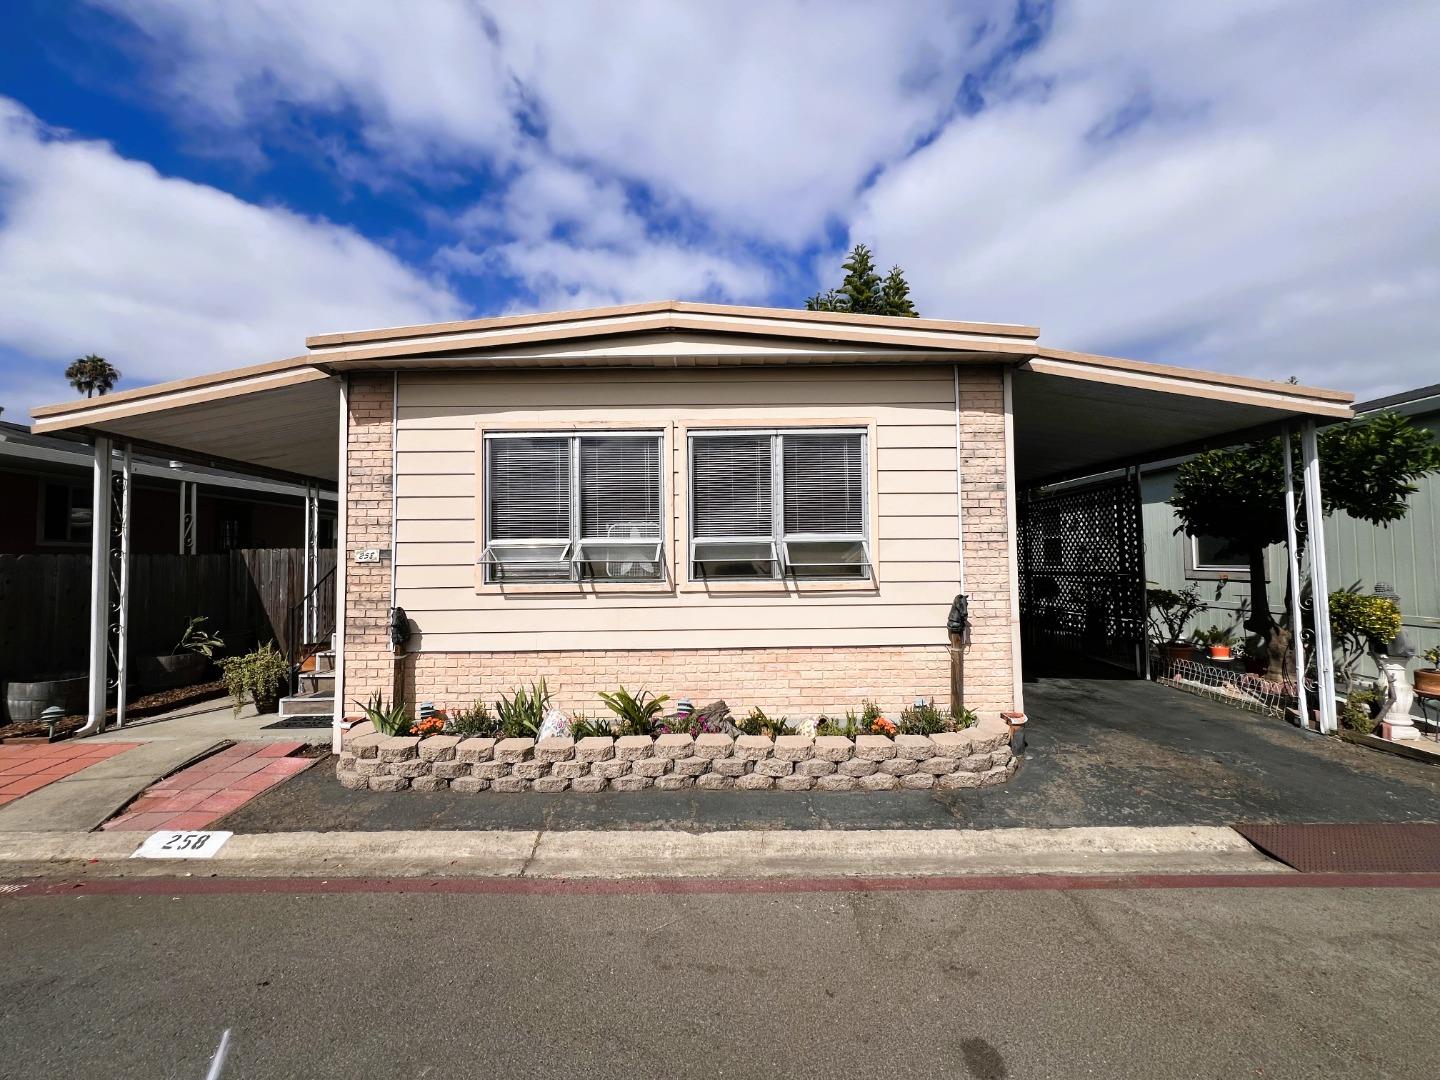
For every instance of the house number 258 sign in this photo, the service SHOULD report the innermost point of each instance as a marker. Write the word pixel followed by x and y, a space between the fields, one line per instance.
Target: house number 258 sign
pixel 174 844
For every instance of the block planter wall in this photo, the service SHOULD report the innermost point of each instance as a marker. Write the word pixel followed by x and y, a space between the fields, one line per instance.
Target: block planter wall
pixel 976 757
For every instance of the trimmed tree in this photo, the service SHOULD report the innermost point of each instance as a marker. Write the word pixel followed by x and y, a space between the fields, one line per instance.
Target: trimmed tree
pixel 1368 469
pixel 91 375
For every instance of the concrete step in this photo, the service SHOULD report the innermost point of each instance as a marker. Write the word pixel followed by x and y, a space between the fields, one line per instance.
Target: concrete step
pixel 317 681
pixel 324 660
pixel 316 703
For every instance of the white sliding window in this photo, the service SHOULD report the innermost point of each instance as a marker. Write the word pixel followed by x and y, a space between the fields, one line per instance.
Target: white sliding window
pixel 572 507
pixel 771 504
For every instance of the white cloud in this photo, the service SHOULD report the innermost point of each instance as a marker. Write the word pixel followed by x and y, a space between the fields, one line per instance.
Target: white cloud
pixel 764 116
pixel 572 239
pixel 166 277
pixel 1275 212
pixel 1241 184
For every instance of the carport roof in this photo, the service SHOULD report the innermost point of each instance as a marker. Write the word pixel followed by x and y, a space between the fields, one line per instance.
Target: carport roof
pixel 1073 412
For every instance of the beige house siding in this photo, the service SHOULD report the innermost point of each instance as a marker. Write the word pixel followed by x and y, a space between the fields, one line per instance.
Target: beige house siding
pixel 466 632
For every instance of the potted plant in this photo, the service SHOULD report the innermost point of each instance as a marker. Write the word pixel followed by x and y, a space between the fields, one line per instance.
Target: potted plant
pixel 260 674
pixel 1218 642
pixel 187 662
pixel 1360 623
pixel 1427 679
pixel 1170 611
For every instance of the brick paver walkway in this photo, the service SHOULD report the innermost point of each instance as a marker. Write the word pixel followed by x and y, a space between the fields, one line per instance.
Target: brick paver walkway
pixel 27 767
pixel 210 789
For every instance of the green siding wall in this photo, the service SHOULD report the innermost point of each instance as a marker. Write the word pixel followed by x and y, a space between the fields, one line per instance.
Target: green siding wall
pixel 1405 554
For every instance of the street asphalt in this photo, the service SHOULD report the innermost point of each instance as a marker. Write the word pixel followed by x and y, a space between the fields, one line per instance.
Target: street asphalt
pixel 1102 752
pixel 1172 985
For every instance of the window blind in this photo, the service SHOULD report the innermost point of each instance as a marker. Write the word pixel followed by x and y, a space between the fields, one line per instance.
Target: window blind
pixel 824 484
pixel 527 488
pixel 620 486
pixel 730 486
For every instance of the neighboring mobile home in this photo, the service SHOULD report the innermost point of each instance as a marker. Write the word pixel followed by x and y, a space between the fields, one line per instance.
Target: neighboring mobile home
pixel 768 506
pixel 1404 555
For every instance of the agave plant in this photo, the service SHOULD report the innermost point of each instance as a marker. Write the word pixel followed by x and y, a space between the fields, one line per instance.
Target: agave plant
pixel 636 713
pixel 522 713
pixel 389 719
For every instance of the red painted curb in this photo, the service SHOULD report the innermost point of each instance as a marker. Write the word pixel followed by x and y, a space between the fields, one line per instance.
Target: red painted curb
pixel 217 886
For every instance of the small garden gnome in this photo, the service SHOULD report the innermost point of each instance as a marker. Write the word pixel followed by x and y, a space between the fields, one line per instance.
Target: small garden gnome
pixel 1395 717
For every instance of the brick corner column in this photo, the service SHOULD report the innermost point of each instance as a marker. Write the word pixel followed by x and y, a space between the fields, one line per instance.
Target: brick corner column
pixel 370 662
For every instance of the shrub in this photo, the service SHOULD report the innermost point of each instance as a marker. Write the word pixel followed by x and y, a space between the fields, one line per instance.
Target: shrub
pixel 476 722
pixel 1171 610
pixel 389 719
pixel 924 719
pixel 521 714
pixel 586 727
pixel 757 723
pixel 1355 711
pixel 849 727
pixel 1432 656
pixel 637 714
pixel 1360 622
pixel 258 674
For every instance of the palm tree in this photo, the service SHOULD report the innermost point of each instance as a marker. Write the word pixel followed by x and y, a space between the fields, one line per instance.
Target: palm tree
pixel 91 375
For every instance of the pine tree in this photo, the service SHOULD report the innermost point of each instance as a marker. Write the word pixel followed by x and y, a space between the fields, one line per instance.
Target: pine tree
pixel 864 292
pixel 895 295
pixel 862 284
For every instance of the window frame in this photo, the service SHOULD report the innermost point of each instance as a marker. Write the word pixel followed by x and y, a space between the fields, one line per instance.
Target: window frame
pixel 577 581
pixel 71 488
pixel 783 580
pixel 1195 570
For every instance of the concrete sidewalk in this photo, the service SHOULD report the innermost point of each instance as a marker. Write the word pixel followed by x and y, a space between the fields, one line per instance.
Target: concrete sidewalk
pixel 167 744
pixel 627 854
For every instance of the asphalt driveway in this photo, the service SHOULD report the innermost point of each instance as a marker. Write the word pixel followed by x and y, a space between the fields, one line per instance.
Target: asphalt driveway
pixel 1102 751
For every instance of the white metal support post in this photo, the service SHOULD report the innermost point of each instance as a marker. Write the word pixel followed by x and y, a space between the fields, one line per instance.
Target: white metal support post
pixel 99 587
pixel 121 601
pixel 342 555
pixel 1319 584
pixel 1292 562
pixel 308 572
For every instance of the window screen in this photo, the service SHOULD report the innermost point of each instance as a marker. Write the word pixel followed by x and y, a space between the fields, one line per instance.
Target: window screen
pixel 567 507
pixel 777 503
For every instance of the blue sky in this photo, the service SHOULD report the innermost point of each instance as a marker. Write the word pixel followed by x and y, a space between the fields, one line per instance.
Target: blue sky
pixel 1244 185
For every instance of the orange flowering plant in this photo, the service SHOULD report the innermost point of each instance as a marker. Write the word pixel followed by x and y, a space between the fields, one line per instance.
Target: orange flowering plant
pixel 431 725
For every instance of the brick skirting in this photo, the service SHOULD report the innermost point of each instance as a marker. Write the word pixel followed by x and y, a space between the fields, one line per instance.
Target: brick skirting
pixel 978 756
pixel 795 682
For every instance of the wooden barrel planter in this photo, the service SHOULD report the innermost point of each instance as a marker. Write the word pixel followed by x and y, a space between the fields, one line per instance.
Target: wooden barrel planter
pixel 25 701
pixel 175 669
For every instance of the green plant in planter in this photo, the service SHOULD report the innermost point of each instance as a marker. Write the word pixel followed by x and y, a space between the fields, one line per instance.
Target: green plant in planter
pixel 1357 710
pixel 389 719
pixel 849 727
pixel 637 713
pixel 258 675
pixel 927 719
pixel 1361 622
pixel 522 713
pixel 1170 610
pixel 586 727
pixel 196 640
pixel 476 722
pixel 757 723
pixel 1432 656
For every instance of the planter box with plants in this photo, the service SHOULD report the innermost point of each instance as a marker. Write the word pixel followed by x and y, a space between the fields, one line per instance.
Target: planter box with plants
pixel 524 745
pixel 261 676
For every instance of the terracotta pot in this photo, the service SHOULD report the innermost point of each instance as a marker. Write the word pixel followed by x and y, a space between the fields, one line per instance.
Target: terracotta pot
pixel 1219 652
pixel 1016 722
pixel 1179 650
pixel 1427 681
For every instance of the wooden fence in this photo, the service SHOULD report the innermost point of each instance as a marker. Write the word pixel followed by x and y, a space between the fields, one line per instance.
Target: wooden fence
pixel 246 595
